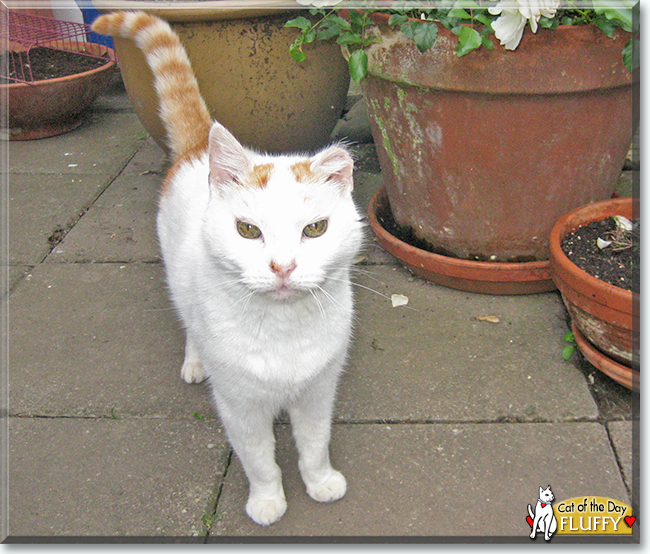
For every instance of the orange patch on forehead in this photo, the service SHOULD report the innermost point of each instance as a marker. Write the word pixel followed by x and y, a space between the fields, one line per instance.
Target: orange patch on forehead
pixel 259 176
pixel 302 171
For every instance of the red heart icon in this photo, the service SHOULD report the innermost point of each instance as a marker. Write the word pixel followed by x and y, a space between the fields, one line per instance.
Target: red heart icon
pixel 630 520
pixel 530 521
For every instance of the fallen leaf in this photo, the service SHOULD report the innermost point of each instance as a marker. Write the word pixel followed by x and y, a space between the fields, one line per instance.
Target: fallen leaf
pixel 399 300
pixel 488 318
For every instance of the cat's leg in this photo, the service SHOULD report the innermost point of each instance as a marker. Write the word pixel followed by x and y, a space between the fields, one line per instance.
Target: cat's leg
pixel 537 526
pixel 192 370
pixel 250 432
pixel 311 423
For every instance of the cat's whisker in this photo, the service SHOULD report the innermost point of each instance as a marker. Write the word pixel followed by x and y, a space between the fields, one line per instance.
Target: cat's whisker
pixel 330 297
pixel 159 309
pixel 318 303
pixel 245 299
pixel 360 286
pixel 367 273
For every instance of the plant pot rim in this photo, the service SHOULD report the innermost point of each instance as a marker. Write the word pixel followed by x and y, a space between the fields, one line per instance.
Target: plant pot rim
pixel 544 62
pixel 569 271
pixel 503 278
pixel 110 62
pixel 626 376
pixel 196 10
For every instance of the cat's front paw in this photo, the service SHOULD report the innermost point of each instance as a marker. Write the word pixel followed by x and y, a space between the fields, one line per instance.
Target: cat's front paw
pixel 331 489
pixel 265 511
pixel 192 372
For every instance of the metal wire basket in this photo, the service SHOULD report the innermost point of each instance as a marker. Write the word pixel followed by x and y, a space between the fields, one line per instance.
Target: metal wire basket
pixel 21 34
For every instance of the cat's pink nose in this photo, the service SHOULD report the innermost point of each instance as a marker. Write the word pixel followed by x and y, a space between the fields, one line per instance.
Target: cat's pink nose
pixel 283 270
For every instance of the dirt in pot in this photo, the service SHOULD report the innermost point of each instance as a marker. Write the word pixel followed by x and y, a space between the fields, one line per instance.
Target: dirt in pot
pixel 46 63
pixel 617 264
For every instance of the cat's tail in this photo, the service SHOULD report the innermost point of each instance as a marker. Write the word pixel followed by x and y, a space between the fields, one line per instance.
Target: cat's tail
pixel 182 108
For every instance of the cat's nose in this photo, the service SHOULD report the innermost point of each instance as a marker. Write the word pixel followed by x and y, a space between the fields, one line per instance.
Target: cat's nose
pixel 283 270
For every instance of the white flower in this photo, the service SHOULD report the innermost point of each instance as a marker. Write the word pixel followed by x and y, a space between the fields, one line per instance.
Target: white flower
pixel 509 27
pixel 319 3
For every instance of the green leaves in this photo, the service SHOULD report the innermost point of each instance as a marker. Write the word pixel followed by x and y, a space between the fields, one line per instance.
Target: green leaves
pixel 358 65
pixel 469 20
pixel 423 33
pixel 468 39
pixel 621 12
pixel 570 348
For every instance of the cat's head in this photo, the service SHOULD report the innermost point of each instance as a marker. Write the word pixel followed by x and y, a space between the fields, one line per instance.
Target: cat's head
pixel 281 225
pixel 546 495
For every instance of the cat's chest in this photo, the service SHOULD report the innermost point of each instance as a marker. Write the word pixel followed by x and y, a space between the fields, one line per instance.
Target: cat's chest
pixel 286 341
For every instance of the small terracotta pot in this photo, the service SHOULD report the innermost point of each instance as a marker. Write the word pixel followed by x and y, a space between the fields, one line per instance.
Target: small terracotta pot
pixel 628 377
pixel 240 55
pixel 607 316
pixel 55 106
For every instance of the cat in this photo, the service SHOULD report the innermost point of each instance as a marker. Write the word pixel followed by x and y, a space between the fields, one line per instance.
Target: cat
pixel 543 520
pixel 257 251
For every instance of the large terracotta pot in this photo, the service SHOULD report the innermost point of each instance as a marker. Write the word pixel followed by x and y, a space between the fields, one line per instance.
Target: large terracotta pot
pixel 55 106
pixel 240 55
pixel 606 316
pixel 482 154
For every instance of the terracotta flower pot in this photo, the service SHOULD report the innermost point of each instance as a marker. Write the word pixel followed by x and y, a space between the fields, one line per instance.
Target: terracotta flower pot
pixel 607 316
pixel 482 154
pixel 468 275
pixel 240 55
pixel 55 106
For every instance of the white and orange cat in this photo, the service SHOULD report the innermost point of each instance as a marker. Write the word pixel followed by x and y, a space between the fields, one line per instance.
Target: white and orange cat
pixel 257 250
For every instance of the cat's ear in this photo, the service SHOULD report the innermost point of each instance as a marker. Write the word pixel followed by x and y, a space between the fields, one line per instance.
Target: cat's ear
pixel 337 165
pixel 541 490
pixel 229 161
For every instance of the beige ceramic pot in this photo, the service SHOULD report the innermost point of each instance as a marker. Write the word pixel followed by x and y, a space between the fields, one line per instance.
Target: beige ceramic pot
pixel 240 55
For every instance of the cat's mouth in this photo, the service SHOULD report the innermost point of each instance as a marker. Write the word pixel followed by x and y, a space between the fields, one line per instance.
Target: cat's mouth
pixel 285 290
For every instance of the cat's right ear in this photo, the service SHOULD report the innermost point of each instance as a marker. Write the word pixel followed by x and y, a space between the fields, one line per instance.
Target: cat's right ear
pixel 229 162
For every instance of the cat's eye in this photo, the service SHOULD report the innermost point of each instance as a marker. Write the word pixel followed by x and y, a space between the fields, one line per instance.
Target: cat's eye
pixel 248 230
pixel 315 229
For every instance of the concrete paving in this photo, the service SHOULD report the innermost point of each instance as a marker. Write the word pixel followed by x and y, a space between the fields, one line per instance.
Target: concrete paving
pixel 446 424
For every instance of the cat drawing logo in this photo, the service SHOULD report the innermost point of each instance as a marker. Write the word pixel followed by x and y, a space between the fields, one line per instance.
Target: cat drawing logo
pixel 543 519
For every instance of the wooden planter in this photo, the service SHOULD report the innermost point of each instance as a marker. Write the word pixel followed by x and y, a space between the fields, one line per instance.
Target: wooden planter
pixel 482 154
pixel 605 318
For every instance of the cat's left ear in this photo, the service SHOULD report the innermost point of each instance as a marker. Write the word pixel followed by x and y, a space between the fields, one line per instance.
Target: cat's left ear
pixel 337 164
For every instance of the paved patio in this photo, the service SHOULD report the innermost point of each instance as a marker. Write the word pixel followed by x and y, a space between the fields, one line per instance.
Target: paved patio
pixel 445 426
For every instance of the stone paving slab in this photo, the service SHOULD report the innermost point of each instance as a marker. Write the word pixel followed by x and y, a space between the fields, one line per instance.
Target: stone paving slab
pixel 88 339
pixel 103 477
pixel 104 144
pixel 437 480
pixel 121 226
pixel 433 360
pixel 40 207
pixel 624 442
